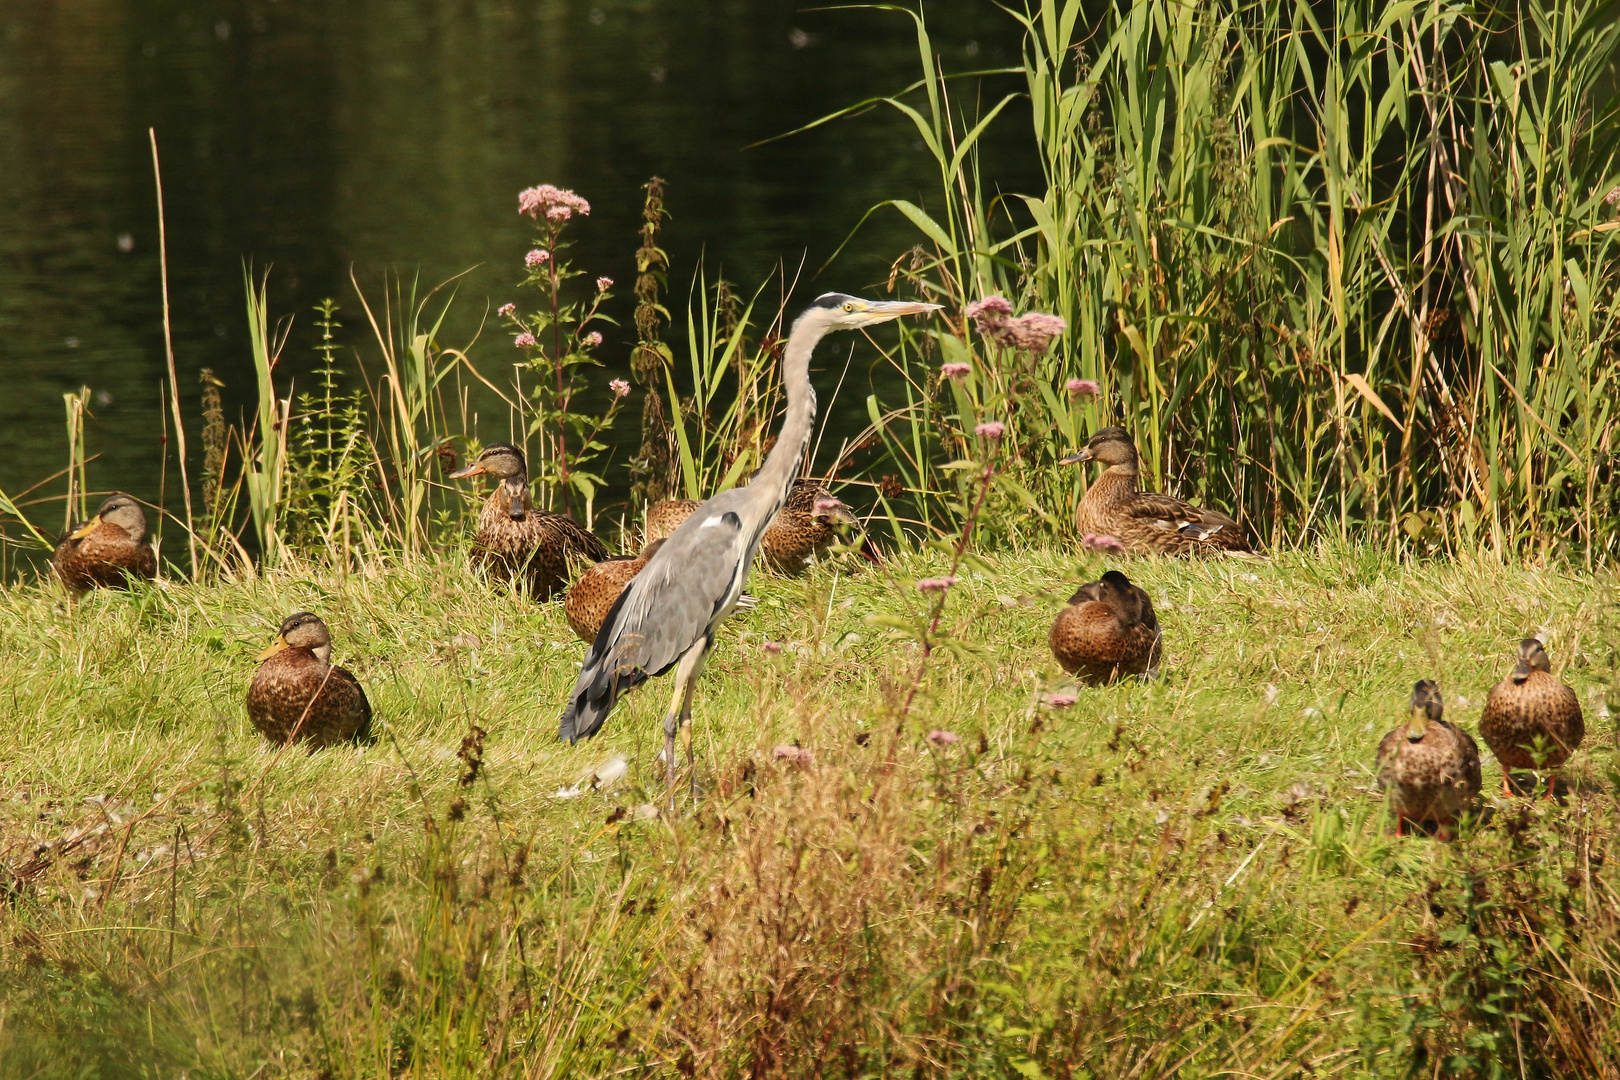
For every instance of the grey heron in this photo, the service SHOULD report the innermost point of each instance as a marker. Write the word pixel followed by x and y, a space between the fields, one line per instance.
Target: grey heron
pixel 667 616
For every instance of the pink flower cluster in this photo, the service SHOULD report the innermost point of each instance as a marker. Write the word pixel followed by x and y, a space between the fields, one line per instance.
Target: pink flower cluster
pixel 943 738
pixel 1031 333
pixel 506 309
pixel 591 340
pixel 537 257
pixel 771 648
pixel 990 429
pixel 524 340
pixel 620 388
pixel 603 284
pixel 936 584
pixel 826 506
pixel 1062 699
pixel 1082 387
pixel 795 755
pixel 956 371
pixel 1108 545
pixel 555 204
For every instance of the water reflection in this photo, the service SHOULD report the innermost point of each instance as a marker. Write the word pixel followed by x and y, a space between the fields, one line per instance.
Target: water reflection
pixel 316 135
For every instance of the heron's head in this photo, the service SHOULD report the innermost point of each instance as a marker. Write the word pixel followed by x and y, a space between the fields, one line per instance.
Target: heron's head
pixel 1110 445
pixel 302 630
pixel 120 510
pixel 1532 657
pixel 500 460
pixel 837 311
pixel 1426 706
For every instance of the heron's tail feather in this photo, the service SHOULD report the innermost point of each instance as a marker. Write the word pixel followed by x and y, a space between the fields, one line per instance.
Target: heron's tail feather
pixel 594 696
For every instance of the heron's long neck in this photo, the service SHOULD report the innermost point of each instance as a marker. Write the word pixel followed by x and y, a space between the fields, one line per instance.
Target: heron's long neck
pixel 782 463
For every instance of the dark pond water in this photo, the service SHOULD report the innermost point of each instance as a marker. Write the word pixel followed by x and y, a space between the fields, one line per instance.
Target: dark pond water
pixel 319 135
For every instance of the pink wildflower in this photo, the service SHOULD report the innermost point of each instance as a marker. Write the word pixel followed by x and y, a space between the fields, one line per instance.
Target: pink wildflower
pixel 505 310
pixel 956 371
pixel 943 738
pixel 796 755
pixel 827 506
pixel 603 284
pixel 1082 388
pixel 591 340
pixel 1034 332
pixel 1108 545
pixel 1062 699
pixel 524 340
pixel 558 214
pixel 619 387
pixel 537 257
pixel 771 648
pixel 990 429
pixel 537 200
pixel 935 584
pixel 989 308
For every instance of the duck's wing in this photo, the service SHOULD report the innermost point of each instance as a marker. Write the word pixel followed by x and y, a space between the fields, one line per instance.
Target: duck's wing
pixel 1175 515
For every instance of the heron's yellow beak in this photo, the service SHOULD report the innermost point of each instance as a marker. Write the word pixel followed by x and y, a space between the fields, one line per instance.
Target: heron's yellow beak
pixel 1081 454
pixel 873 312
pixel 1418 726
pixel 475 469
pixel 86 529
pixel 275 646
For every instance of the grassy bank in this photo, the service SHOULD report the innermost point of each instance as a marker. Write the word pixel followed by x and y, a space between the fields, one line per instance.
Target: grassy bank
pixel 1176 878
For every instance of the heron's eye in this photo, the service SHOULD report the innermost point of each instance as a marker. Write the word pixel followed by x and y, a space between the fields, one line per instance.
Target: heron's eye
pixel 849 305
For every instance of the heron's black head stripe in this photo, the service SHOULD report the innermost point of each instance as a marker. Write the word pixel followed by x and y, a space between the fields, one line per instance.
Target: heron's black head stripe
pixel 831 300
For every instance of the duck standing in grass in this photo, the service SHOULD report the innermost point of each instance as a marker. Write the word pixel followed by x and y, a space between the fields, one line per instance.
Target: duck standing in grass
pixel 1429 767
pixel 514 540
pixel 1108 630
pixel 1531 719
pixel 1145 522
pixel 297 693
pixel 591 597
pixel 108 550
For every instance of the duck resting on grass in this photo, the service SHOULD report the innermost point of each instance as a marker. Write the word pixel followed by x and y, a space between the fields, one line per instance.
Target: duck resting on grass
pixel 108 550
pixel 1108 630
pixel 666 618
pixel 1428 766
pixel 590 598
pixel 1145 522
pixel 1531 719
pixel 297 694
pixel 801 533
pixel 516 541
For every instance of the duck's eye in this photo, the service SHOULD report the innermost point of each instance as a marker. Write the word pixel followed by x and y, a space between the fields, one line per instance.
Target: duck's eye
pixel 849 305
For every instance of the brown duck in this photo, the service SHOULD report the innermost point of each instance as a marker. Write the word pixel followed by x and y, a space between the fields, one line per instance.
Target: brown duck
pixel 1429 767
pixel 298 693
pixel 1145 522
pixel 1108 630
pixel 592 596
pixel 108 550
pixel 514 540
pixel 808 524
pixel 1531 719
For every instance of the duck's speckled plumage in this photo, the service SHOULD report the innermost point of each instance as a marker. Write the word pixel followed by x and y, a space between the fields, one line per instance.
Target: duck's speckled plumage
pixel 297 671
pixel 1145 522
pixel 108 550
pixel 663 518
pixel 797 536
pixel 1109 629
pixel 514 541
pixel 592 596
pixel 1532 705
pixel 1428 766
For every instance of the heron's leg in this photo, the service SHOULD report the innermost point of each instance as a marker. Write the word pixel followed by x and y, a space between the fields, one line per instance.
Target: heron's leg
pixel 680 706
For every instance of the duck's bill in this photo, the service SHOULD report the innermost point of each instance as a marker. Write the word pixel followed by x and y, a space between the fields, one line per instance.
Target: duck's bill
pixel 276 646
pixel 1076 457
pixel 1418 726
pixel 85 530
pixel 475 469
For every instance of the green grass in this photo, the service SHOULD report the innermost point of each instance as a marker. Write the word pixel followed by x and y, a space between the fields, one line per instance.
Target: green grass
pixel 1175 878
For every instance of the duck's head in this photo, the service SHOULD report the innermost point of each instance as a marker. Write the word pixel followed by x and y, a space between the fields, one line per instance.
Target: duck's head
pixel 1532 657
pixel 1109 445
pixel 302 630
pixel 1129 603
pixel 506 463
pixel 120 510
pixel 1426 706
pixel 500 460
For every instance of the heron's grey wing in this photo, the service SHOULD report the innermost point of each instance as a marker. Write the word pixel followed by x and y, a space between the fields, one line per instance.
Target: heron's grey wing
pixel 663 612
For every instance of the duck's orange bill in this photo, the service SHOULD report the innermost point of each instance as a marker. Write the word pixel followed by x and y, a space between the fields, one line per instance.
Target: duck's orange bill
pixel 475 469
pixel 85 530
pixel 276 646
